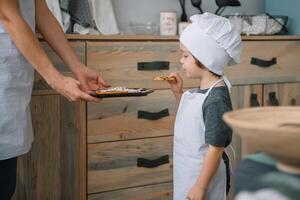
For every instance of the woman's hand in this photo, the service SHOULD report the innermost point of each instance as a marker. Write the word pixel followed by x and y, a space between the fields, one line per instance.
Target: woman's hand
pixel 196 193
pixel 90 79
pixel 69 88
pixel 177 85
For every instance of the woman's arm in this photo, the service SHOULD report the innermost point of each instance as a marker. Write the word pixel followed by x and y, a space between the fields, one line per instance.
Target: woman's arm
pixel 54 35
pixel 25 40
pixel 209 168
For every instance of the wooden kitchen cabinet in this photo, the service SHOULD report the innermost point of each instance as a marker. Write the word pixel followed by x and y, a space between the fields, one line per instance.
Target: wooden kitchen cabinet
pixel 277 94
pixel 55 167
pixel 121 131
pixel 283 94
pixel 93 150
pixel 244 96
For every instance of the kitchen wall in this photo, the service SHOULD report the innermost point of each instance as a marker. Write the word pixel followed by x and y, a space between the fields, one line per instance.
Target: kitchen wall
pixel 148 10
pixel 289 8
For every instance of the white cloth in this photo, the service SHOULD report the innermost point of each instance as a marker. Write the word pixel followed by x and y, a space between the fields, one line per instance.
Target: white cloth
pixel 261 195
pixel 63 18
pixel 66 21
pixel 104 17
pixel 190 148
pixel 213 40
pixel 16 80
pixel 77 28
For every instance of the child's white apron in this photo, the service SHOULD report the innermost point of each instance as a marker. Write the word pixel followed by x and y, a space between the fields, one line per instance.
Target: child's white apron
pixel 190 148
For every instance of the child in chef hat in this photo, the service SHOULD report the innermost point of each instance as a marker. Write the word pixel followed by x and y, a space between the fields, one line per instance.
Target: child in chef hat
pixel 208 44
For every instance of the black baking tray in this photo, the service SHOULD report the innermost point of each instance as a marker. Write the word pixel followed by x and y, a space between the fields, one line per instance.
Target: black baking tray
pixel 141 92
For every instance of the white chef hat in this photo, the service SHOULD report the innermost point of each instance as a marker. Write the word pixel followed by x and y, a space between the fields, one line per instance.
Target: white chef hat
pixel 213 40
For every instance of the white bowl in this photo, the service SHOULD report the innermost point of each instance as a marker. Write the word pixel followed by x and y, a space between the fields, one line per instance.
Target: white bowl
pixel 274 130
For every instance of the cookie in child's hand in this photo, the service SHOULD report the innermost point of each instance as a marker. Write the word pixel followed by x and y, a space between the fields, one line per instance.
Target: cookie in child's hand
pixel 164 78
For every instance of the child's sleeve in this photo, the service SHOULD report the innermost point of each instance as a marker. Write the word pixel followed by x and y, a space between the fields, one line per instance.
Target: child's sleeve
pixel 217 132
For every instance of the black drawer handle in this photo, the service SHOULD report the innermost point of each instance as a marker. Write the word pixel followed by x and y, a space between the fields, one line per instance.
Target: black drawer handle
pixel 156 65
pixel 293 102
pixel 263 63
pixel 143 162
pixel 153 116
pixel 273 99
pixel 253 100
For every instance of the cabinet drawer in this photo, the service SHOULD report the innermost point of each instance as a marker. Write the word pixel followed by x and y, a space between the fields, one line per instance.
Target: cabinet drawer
pixel 113 165
pixel 243 96
pixel 124 118
pixel 158 192
pixel 286 94
pixel 286 67
pixel 118 62
pixel 246 96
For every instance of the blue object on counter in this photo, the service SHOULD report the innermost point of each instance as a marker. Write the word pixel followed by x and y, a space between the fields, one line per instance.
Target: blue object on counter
pixel 258 171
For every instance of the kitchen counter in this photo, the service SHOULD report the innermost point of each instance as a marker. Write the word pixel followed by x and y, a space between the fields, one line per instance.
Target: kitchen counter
pixel 79 144
pixel 285 48
pixel 169 38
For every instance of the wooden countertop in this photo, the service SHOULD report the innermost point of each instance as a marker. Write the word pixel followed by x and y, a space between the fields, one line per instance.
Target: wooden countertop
pixel 167 38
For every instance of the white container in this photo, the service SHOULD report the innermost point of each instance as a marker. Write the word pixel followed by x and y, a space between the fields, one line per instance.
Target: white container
pixel 182 26
pixel 168 23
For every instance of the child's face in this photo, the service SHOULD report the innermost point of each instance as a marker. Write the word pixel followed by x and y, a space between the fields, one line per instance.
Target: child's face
pixel 189 65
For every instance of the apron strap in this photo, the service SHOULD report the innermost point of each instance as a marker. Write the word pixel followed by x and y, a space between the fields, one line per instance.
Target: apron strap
pixel 215 83
pixel 227 83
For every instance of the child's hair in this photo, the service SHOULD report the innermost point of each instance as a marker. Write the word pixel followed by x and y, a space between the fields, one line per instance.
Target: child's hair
pixel 199 64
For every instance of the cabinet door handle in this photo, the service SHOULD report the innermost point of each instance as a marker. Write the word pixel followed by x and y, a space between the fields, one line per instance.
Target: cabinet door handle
pixel 153 116
pixel 143 162
pixel 293 101
pixel 273 99
pixel 263 63
pixel 253 100
pixel 156 65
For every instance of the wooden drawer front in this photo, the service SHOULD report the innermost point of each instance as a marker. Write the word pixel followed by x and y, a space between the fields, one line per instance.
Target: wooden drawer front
pixel 287 56
pixel 117 62
pixel 241 98
pixel 117 118
pixel 241 95
pixel 287 94
pixel 113 165
pixel 78 47
pixel 158 192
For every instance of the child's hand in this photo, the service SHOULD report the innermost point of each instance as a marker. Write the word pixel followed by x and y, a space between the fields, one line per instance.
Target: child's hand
pixel 177 85
pixel 196 193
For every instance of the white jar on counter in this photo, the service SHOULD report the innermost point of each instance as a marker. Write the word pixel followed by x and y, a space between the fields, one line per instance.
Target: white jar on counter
pixel 168 23
pixel 182 26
